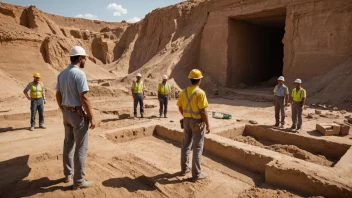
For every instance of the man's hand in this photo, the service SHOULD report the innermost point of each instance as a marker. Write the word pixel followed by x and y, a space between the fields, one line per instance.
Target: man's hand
pixel 44 101
pixel 29 98
pixel 92 123
pixel 207 130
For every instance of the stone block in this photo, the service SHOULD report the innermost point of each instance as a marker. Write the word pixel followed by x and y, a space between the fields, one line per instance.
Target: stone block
pixel 328 129
pixel 345 130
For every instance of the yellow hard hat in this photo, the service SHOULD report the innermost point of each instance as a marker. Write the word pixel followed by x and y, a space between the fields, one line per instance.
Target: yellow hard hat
pixel 195 74
pixel 36 75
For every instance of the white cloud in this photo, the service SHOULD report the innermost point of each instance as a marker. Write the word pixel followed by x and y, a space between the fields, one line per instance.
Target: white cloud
pixel 118 9
pixel 87 16
pixel 133 20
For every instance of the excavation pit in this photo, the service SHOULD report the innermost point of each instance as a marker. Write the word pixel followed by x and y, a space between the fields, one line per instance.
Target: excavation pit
pixel 311 161
pixel 318 151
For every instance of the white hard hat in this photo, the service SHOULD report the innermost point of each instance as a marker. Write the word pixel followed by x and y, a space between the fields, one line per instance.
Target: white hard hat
pixel 281 78
pixel 298 81
pixel 139 75
pixel 78 51
pixel 164 77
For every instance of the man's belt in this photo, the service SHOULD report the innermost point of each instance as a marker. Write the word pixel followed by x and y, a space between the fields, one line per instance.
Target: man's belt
pixel 74 109
pixel 77 109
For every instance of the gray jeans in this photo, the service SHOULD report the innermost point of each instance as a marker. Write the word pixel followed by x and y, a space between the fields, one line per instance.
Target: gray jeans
pixel 138 99
pixel 164 100
pixel 193 135
pixel 75 145
pixel 297 114
pixel 280 107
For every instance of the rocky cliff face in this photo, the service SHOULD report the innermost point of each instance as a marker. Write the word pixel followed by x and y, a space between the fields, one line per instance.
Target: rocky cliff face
pixel 176 39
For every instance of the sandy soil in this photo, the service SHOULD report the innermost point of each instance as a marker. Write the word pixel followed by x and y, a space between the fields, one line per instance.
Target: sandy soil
pixel 289 150
pixel 31 163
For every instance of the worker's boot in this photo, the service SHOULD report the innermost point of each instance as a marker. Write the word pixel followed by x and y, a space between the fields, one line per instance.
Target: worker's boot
pixel 142 116
pixel 42 127
pixel 293 127
pixel 85 184
pixel 201 177
pixel 184 173
pixel 282 126
pixel 68 178
pixel 31 129
pixel 276 124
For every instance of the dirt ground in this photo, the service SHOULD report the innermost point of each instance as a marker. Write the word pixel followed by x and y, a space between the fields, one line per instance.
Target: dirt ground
pixel 31 162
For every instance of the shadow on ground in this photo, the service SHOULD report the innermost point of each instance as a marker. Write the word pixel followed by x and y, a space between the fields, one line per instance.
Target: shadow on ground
pixel 13 183
pixel 143 182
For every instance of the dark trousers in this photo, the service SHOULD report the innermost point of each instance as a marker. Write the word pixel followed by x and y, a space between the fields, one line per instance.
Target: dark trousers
pixel 297 114
pixel 37 105
pixel 280 108
pixel 164 100
pixel 138 99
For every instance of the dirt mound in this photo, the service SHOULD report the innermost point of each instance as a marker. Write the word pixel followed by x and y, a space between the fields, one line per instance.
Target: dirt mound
pixel 296 152
pixel 289 150
pixel 266 193
pixel 248 140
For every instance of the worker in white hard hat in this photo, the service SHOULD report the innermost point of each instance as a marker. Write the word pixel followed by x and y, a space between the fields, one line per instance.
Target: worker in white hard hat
pixel 281 99
pixel 163 96
pixel 138 94
pixel 37 98
pixel 71 96
pixel 298 100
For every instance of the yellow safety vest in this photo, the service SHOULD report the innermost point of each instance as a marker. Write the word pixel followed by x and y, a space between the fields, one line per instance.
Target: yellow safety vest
pixel 164 89
pixel 36 91
pixel 137 87
pixel 188 110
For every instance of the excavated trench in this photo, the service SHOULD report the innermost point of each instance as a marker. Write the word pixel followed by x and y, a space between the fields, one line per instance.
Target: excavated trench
pixel 313 150
pixel 260 150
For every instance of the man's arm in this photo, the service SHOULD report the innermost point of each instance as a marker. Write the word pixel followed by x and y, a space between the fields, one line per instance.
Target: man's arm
pixel 204 115
pixel 88 107
pixel 44 98
pixel 26 94
pixel 287 99
pixel 25 91
pixel 180 110
pixel 59 100
pixel 303 102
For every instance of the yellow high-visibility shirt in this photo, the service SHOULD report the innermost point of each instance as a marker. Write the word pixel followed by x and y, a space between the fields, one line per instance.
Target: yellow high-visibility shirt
pixel 298 96
pixel 198 100
pixel 137 87
pixel 36 90
pixel 164 89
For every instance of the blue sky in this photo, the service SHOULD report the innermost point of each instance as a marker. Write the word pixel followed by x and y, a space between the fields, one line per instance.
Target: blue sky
pixel 106 10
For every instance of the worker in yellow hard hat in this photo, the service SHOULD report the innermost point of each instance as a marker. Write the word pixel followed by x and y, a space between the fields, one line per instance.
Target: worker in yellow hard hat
pixel 192 105
pixel 37 98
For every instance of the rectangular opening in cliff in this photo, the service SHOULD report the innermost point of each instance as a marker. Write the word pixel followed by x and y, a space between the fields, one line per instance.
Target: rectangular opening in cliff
pixel 255 47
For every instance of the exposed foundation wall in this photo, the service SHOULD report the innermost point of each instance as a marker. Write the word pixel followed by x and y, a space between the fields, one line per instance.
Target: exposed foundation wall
pixel 317 36
pixel 319 146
